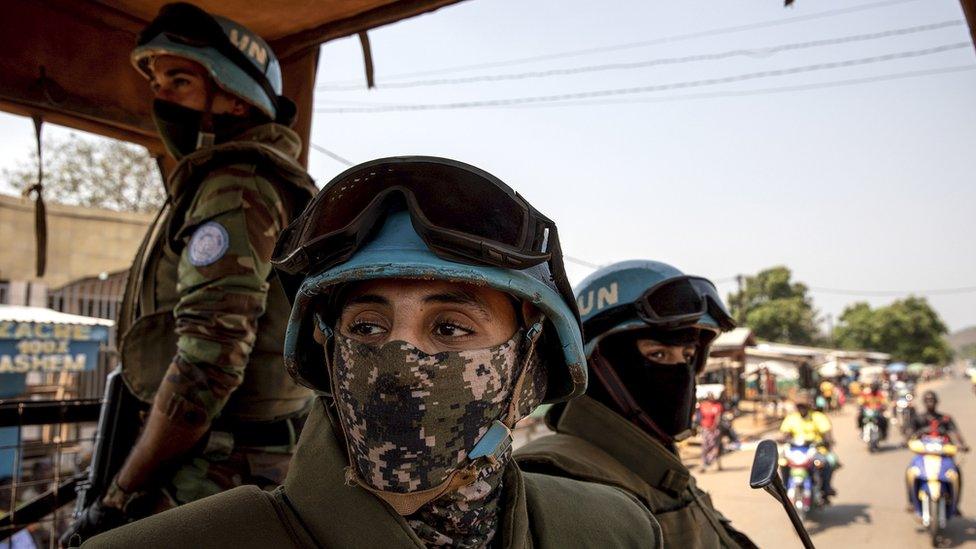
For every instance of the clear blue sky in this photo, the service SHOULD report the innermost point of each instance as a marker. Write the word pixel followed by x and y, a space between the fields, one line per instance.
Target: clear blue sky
pixel 863 187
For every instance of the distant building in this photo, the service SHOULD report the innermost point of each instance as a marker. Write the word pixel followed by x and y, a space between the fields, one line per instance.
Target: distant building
pixel 81 243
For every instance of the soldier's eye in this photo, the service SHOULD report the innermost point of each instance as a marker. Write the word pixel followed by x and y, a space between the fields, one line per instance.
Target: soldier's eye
pixel 365 329
pixel 450 329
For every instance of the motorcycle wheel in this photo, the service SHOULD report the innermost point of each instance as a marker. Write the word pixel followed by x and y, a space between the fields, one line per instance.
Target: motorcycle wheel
pixel 934 521
pixel 801 511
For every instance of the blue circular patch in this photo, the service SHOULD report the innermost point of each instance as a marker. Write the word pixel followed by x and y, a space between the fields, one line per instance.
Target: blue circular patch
pixel 208 244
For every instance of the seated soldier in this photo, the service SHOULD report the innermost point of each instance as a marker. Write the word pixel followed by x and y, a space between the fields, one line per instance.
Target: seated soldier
pixel 648 328
pixel 429 330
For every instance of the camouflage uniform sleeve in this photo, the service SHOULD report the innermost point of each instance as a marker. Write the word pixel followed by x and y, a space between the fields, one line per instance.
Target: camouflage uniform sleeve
pixel 223 273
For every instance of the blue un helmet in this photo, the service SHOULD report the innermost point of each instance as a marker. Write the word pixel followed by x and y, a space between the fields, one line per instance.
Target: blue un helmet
pixel 636 300
pixel 640 294
pixel 238 60
pixel 425 218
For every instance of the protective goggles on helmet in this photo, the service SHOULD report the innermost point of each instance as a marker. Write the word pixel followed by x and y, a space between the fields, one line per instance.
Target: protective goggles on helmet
pixel 187 24
pixel 463 214
pixel 682 301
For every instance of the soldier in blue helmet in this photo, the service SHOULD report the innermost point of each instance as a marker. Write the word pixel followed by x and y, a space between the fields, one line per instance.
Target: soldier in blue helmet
pixel 203 317
pixel 648 328
pixel 428 329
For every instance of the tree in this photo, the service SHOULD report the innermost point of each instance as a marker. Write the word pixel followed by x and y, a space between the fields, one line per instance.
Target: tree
pixel 100 173
pixel 775 308
pixel 909 329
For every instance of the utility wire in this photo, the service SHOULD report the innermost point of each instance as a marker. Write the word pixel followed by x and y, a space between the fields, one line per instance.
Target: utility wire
pixel 662 40
pixel 762 91
pixel 582 262
pixel 716 56
pixel 867 293
pixel 331 155
pixel 540 99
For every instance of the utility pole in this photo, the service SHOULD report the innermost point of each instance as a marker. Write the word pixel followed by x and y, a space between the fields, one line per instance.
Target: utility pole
pixel 740 312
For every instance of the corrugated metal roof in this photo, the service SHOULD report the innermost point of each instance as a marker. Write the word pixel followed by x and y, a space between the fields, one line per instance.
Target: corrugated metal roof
pixel 20 313
pixel 739 337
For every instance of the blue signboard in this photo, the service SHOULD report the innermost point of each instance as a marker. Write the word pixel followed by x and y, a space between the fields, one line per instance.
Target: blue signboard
pixel 49 347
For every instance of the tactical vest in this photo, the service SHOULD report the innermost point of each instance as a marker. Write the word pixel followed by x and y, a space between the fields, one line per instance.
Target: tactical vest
pixel 147 324
pixel 597 445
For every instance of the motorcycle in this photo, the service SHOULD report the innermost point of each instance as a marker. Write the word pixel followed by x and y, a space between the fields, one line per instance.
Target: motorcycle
pixel 802 465
pixel 904 411
pixel 933 483
pixel 870 429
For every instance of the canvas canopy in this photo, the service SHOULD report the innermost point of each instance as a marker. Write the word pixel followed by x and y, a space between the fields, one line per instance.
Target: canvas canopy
pixel 68 60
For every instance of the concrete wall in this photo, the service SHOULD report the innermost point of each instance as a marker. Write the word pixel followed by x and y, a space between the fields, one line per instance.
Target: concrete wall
pixel 81 241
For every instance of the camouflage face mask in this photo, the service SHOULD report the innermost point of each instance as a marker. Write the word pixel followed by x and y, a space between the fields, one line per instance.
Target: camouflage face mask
pixel 410 419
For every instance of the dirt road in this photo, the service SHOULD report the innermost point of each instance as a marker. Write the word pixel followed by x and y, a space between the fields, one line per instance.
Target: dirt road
pixel 869 510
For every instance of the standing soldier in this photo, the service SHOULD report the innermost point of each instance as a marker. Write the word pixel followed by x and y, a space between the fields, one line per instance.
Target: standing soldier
pixel 203 318
pixel 648 328
pixel 430 329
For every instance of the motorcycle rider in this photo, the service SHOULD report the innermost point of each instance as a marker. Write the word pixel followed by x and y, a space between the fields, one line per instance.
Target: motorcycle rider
pixel 872 397
pixel 812 426
pixel 428 331
pixel 203 317
pixel 936 424
pixel 648 328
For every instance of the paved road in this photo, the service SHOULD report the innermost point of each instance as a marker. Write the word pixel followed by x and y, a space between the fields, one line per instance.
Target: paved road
pixel 870 507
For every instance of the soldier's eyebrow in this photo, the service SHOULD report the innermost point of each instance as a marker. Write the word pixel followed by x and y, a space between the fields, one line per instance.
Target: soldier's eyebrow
pixel 460 297
pixel 367 299
pixel 178 71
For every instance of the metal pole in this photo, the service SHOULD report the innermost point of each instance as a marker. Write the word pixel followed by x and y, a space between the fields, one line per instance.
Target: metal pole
pixel 778 491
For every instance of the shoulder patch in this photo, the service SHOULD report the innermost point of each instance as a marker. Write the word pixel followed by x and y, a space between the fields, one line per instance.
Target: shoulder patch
pixel 209 243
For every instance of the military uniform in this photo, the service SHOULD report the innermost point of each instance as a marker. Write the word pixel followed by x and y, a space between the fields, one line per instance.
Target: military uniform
pixel 597 445
pixel 316 508
pixel 204 314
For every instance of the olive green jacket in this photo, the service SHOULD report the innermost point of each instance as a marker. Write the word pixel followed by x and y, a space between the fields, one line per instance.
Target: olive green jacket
pixel 316 508
pixel 597 445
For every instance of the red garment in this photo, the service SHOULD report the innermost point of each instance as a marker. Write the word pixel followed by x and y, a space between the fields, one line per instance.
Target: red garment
pixel 710 411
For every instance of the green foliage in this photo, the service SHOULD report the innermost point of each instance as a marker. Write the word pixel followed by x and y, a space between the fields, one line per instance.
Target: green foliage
pixel 775 308
pixel 909 329
pixel 97 173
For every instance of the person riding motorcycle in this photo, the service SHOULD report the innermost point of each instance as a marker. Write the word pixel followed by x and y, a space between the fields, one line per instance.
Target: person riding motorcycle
pixel 932 423
pixel 809 425
pixel 827 389
pixel 873 398
pixel 648 328
pixel 203 317
pixel 427 330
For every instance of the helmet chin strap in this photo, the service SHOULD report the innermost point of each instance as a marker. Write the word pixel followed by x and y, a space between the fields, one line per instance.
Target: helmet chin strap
pixel 486 452
pixel 625 402
pixel 206 137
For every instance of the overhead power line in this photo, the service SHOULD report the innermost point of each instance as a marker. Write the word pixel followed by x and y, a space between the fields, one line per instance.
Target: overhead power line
pixel 539 99
pixel 643 43
pixel 762 91
pixel 882 293
pixel 331 155
pixel 715 56
pixel 582 262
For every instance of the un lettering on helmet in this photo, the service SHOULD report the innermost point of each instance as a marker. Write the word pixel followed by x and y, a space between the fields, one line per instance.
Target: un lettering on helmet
pixel 605 296
pixel 249 46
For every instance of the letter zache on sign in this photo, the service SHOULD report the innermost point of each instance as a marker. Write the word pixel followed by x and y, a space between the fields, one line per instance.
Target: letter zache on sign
pixel 49 347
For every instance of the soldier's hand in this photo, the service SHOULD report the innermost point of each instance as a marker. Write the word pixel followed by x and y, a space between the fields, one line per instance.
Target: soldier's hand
pixel 97 518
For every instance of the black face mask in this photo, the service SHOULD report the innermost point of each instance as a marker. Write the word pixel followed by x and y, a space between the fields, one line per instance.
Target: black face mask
pixel 179 126
pixel 665 392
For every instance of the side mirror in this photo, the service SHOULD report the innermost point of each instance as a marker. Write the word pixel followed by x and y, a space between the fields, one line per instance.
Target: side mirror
pixel 764 465
pixel 765 475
